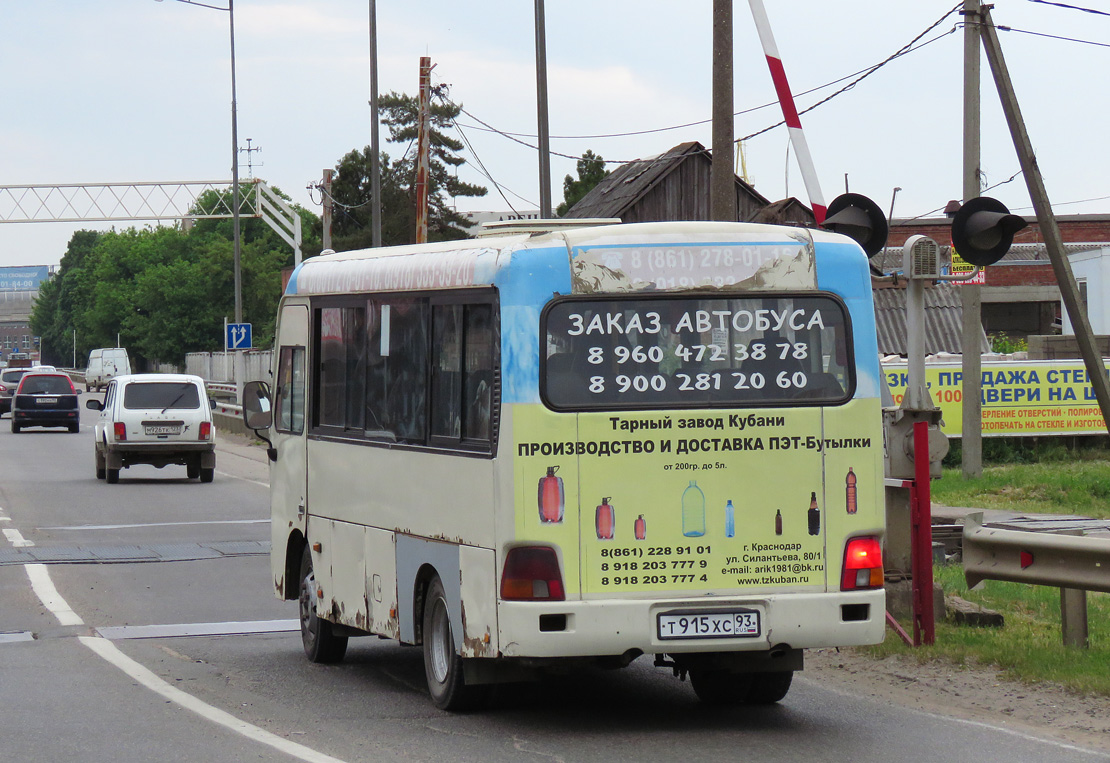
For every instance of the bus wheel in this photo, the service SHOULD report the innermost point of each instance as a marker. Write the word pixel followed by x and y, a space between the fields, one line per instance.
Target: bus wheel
pixel 719 687
pixel 769 688
pixel 320 643
pixel 442 664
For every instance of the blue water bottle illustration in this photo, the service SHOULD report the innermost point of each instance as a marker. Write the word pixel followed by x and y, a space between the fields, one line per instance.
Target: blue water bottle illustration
pixel 730 520
pixel 693 511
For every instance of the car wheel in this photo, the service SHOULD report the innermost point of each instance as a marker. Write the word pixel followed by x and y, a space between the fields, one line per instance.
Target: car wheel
pixel 15 427
pixel 320 642
pixel 74 428
pixel 192 468
pixel 207 475
pixel 112 476
pixel 100 470
pixel 442 664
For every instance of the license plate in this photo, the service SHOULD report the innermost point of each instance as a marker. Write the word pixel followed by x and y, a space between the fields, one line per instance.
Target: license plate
pixel 46 400
pixel 743 623
pixel 158 429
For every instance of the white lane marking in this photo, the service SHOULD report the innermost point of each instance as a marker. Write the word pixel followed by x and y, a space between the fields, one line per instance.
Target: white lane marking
pixel 52 600
pixel 964 721
pixel 108 651
pixel 10 638
pixel 15 537
pixel 48 594
pixel 160 524
pixel 244 479
pixel 198 629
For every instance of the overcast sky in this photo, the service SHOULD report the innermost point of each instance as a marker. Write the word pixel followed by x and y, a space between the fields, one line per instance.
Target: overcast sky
pixel 139 90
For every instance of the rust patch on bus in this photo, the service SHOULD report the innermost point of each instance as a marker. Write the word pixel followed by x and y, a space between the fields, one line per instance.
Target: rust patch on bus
pixel 474 646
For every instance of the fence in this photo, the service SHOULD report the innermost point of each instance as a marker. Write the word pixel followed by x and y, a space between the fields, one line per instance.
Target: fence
pixel 220 366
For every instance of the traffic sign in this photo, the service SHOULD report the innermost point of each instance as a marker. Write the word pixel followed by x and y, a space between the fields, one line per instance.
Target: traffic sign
pixel 238 336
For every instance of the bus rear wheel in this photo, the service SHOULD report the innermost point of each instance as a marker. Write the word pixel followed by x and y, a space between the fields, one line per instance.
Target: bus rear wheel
pixel 319 641
pixel 720 687
pixel 442 664
pixel 769 688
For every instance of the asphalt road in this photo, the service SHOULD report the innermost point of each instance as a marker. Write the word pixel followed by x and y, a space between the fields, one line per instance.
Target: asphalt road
pixel 84 676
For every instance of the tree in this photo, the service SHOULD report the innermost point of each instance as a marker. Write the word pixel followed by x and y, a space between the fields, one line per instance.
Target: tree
pixel 591 171
pixel 351 187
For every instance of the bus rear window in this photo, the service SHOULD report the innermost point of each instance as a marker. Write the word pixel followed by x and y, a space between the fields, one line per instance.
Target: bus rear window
pixel 697 351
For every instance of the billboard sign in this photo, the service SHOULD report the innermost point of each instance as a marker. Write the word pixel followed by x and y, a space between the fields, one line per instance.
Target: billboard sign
pixel 27 278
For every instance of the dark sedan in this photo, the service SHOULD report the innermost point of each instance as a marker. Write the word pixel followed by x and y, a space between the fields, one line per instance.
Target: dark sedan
pixel 45 400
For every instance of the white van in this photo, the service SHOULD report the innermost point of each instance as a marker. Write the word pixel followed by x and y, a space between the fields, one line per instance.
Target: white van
pixel 104 365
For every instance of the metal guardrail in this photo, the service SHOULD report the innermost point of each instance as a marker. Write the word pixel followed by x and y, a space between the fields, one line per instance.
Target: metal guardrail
pixel 1067 559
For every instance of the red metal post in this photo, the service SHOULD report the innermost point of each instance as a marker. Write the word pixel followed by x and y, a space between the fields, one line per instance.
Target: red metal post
pixel 423 141
pixel 921 539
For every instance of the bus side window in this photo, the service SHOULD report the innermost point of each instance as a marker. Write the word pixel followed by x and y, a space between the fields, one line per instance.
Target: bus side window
pixel 290 390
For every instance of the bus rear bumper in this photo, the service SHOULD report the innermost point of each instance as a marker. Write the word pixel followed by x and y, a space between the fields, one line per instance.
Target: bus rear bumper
pixel 616 626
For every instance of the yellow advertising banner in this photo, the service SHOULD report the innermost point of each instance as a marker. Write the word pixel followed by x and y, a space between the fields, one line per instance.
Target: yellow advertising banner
pixel 1035 397
pixel 707 500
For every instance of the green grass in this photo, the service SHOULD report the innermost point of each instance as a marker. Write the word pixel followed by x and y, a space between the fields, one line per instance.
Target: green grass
pixel 1029 648
pixel 1078 485
pixel 1038 477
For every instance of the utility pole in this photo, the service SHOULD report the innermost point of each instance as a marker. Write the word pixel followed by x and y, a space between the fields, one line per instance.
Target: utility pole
pixel 541 107
pixel 329 175
pixel 375 147
pixel 722 180
pixel 423 139
pixel 1096 371
pixel 971 441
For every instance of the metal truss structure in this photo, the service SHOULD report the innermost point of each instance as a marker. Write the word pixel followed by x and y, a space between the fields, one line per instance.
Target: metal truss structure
pixel 175 200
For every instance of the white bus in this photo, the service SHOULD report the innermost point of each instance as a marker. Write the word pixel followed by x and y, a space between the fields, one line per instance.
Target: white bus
pixel 582 443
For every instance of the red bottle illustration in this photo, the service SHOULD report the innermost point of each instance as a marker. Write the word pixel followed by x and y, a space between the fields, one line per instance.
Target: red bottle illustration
pixel 552 499
pixel 778 521
pixel 641 527
pixel 605 520
pixel 850 491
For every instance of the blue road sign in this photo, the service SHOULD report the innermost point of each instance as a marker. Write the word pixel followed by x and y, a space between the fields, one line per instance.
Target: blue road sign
pixel 238 336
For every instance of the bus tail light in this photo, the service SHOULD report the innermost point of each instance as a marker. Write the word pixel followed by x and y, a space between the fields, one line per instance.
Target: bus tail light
pixel 863 564
pixel 120 430
pixel 532 574
pixel 205 430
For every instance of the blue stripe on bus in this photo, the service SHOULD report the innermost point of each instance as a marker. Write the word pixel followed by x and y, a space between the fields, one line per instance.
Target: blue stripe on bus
pixel 532 277
pixel 842 269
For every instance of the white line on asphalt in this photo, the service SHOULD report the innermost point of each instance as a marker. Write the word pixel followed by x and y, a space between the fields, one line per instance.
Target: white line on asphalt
pixel 199 629
pixel 244 479
pixel 52 600
pixel 160 524
pixel 15 537
pixel 107 650
pixel 48 594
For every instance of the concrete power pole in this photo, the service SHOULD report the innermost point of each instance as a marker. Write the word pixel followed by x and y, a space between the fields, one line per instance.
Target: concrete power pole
pixel 722 178
pixel 971 441
pixel 541 115
pixel 1092 360
pixel 329 175
pixel 423 141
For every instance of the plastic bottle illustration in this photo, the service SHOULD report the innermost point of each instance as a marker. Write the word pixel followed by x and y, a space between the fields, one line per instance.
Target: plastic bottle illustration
pixel 778 521
pixel 850 491
pixel 814 515
pixel 552 499
pixel 693 511
pixel 730 520
pixel 641 527
pixel 605 520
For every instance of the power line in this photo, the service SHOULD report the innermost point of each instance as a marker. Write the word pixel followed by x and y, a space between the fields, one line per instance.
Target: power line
pixel 1053 36
pixel 1071 7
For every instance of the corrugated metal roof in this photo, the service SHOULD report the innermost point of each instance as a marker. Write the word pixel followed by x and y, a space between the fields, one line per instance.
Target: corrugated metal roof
pixel 943 320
